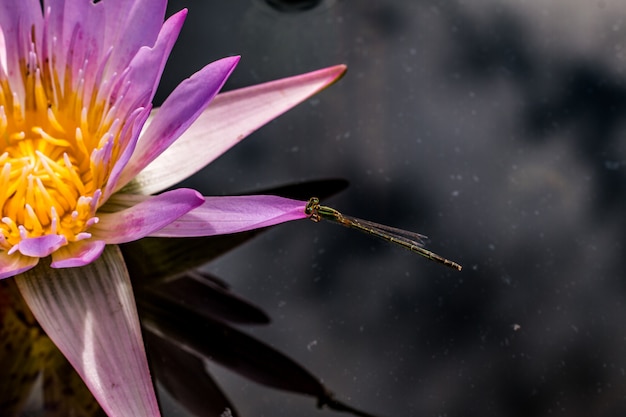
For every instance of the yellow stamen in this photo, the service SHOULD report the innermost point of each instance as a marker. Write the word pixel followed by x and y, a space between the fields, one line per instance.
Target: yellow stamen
pixel 59 142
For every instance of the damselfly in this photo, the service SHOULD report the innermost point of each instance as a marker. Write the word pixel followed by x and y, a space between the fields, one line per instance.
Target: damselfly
pixel 409 240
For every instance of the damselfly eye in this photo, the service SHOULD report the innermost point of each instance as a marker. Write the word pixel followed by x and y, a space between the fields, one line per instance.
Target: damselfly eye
pixel 312 205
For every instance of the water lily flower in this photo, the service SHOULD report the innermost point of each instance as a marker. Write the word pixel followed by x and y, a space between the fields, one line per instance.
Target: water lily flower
pixel 84 155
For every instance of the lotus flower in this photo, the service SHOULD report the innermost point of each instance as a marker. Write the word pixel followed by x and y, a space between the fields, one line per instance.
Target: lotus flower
pixel 82 154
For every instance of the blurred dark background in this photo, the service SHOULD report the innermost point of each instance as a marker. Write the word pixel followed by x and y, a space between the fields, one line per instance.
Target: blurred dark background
pixel 495 128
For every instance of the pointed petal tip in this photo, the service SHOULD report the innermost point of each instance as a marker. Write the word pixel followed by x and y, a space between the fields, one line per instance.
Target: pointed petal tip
pixel 220 69
pixel 179 17
pixel 333 74
pixel 338 70
pixel 225 66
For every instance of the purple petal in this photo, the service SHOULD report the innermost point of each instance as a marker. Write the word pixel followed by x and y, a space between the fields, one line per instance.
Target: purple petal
pixel 178 112
pixel 222 215
pixel 229 118
pixel 131 24
pixel 120 164
pixel 147 65
pixel 66 15
pixel 103 39
pixel 90 315
pixel 16 15
pixel 16 20
pixel 146 217
pixel 77 254
pixel 14 264
pixel 67 22
pixel 41 246
pixel 126 24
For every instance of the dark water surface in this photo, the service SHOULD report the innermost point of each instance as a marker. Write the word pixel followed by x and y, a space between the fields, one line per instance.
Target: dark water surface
pixel 496 128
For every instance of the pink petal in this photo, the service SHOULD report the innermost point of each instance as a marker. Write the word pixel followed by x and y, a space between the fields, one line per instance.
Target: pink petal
pixel 3 54
pixel 147 65
pixel 222 215
pixel 41 246
pixel 24 14
pixel 146 217
pixel 102 39
pixel 131 24
pixel 14 264
pixel 90 315
pixel 16 20
pixel 19 15
pixel 77 254
pixel 127 24
pixel 120 201
pixel 229 118
pixel 178 112
pixel 130 134
pixel 67 22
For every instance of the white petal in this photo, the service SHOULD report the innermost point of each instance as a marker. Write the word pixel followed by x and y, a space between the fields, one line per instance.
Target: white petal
pixel 229 118
pixel 90 314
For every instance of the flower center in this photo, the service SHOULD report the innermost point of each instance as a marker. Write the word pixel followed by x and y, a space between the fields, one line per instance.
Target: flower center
pixel 42 188
pixel 55 153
